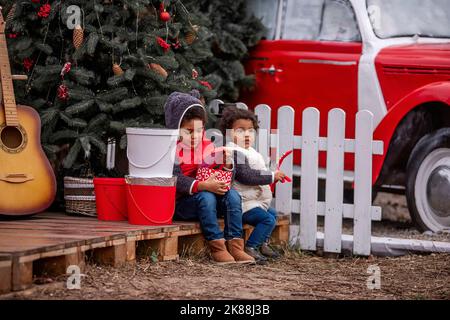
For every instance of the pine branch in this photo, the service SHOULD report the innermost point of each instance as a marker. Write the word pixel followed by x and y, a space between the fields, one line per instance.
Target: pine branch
pixel 80 107
pixel 97 123
pixel 71 157
pixel 113 95
pixel 63 135
pixel 127 104
pixel 98 143
pixel 73 122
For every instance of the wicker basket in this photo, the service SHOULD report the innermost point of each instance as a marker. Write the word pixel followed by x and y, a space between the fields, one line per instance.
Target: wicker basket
pixel 79 196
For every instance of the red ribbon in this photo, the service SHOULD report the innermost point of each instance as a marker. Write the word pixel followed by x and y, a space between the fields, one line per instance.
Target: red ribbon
pixel 280 162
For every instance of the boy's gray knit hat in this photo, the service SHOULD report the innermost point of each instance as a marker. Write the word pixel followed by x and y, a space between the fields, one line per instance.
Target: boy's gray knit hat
pixel 176 106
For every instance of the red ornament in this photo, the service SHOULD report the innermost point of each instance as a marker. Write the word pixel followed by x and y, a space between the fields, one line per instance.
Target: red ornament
pixel 164 16
pixel 44 11
pixel 194 74
pixel 66 68
pixel 63 92
pixel 36 1
pixel 206 84
pixel 163 44
pixel 27 64
pixel 12 35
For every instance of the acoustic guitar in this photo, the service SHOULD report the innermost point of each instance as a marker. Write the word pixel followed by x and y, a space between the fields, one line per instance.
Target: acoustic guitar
pixel 27 180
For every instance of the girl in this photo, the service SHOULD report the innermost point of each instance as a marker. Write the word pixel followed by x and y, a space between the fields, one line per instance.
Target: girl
pixel 239 127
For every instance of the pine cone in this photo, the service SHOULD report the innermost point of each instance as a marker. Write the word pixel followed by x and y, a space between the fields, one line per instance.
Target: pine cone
pixel 117 70
pixel 191 35
pixel 158 69
pixel 78 36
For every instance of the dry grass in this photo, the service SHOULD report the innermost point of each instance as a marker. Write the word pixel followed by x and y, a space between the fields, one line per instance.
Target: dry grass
pixel 296 276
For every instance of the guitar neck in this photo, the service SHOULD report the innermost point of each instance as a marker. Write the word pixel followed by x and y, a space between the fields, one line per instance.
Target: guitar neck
pixel 9 101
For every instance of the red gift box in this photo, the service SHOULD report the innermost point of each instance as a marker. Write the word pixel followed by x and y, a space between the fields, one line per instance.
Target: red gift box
pixel 204 173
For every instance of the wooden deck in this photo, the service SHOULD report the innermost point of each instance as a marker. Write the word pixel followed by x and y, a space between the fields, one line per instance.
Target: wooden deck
pixel 48 243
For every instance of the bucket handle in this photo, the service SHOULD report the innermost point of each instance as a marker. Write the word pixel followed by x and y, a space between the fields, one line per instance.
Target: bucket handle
pixel 136 205
pixel 112 204
pixel 145 166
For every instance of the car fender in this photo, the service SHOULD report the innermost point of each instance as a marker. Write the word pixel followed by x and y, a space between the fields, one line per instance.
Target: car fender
pixel 434 92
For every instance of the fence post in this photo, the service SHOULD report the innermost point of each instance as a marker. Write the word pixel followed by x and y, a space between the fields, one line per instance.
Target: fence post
pixel 335 181
pixel 283 191
pixel 263 113
pixel 363 183
pixel 309 178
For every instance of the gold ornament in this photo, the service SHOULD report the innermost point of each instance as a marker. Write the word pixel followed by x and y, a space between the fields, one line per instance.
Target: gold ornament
pixel 158 69
pixel 117 70
pixel 191 35
pixel 78 36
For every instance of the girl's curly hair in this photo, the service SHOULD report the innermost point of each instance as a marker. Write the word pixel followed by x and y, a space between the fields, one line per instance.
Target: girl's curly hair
pixel 231 114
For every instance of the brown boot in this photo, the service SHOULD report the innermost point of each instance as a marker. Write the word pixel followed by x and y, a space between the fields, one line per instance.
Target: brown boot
pixel 236 248
pixel 219 252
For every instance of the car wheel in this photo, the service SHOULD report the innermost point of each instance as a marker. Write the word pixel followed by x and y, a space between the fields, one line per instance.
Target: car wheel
pixel 428 181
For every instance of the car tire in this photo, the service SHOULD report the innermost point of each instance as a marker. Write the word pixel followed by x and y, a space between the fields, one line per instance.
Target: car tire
pixel 428 181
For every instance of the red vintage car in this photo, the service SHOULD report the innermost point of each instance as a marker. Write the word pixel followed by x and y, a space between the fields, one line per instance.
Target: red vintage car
pixel 389 57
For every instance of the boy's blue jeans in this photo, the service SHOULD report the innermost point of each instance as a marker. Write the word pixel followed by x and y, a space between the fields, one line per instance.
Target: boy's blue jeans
pixel 264 222
pixel 206 207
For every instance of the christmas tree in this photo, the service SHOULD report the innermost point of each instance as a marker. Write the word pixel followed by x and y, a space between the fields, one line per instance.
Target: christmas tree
pixel 96 67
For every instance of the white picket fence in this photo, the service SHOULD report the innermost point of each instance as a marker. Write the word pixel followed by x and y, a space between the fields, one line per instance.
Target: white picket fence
pixel 334 209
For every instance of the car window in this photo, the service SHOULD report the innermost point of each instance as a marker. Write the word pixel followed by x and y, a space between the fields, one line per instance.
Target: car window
pixel 302 19
pixel 339 22
pixel 267 11
pixel 424 18
pixel 328 20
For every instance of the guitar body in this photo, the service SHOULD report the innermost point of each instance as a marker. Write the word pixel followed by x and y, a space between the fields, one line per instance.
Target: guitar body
pixel 27 180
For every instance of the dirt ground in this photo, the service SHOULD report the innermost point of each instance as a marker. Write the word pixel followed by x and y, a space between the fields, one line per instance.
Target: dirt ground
pixel 296 276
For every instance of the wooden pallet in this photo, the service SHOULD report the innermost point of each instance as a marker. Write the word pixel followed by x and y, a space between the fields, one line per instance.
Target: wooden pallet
pixel 48 243
pixel 5 272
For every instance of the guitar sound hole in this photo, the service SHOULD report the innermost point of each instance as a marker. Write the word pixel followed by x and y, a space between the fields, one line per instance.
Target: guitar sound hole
pixel 11 137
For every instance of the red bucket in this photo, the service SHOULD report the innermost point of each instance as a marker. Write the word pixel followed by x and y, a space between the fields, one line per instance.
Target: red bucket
pixel 151 205
pixel 111 199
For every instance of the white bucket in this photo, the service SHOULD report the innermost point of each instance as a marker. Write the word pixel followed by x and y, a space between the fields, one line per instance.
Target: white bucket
pixel 151 152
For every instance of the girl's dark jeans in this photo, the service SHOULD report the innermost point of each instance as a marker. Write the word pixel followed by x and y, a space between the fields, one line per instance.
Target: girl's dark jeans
pixel 264 222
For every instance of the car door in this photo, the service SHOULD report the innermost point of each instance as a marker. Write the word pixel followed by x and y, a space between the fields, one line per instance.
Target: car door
pixel 309 59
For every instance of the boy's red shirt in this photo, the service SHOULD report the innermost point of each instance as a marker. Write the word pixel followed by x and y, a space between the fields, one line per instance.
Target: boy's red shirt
pixel 191 159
